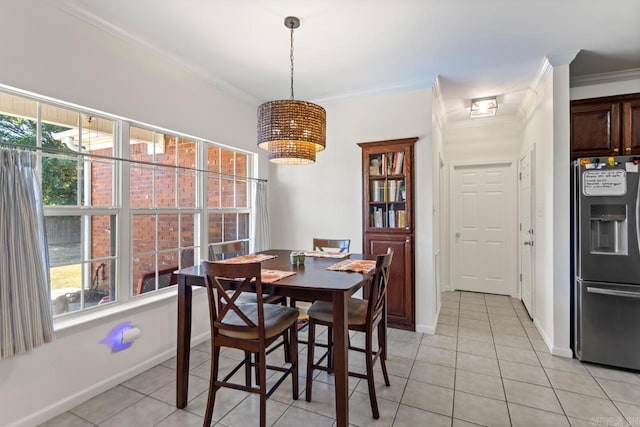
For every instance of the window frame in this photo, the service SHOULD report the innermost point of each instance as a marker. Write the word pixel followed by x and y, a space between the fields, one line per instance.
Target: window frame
pixel 121 208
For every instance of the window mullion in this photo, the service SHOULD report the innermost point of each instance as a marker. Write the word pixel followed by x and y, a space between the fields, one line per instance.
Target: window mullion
pixel 122 194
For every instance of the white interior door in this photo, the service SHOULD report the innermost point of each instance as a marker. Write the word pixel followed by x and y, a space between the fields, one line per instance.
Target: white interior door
pixel 526 232
pixel 482 215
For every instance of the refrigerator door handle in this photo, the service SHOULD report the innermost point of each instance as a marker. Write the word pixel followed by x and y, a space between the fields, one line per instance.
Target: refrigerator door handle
pixel 613 292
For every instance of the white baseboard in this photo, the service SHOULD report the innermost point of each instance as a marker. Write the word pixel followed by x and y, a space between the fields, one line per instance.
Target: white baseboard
pixel 429 329
pixel 556 351
pixel 562 352
pixel 426 329
pixel 69 402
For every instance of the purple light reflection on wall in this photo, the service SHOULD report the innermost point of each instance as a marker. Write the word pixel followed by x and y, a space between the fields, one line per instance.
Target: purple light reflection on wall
pixel 113 340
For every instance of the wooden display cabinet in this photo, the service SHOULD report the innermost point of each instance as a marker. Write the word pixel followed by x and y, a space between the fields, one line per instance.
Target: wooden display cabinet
pixel 387 221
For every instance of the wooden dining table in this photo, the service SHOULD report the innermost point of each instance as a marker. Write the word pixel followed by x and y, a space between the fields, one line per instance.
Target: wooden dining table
pixel 311 282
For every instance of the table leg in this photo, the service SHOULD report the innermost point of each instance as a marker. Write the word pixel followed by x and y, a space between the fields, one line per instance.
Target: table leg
pixel 184 342
pixel 341 356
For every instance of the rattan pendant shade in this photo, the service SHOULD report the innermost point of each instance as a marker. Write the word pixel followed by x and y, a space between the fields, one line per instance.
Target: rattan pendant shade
pixel 291 131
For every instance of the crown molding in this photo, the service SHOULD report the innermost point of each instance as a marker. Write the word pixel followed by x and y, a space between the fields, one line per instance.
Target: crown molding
pixel 440 113
pixel 73 9
pixel 601 78
pixel 531 96
pixel 564 58
pixel 483 122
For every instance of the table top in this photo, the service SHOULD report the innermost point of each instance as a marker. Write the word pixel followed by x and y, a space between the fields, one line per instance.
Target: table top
pixel 312 275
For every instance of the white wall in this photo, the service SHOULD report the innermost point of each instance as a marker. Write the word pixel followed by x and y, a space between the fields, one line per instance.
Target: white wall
pixel 547 126
pixel 50 53
pixel 480 141
pixel 325 199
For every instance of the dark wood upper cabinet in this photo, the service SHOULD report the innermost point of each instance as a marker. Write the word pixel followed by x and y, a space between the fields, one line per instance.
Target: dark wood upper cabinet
pixel 631 126
pixel 605 126
pixel 388 220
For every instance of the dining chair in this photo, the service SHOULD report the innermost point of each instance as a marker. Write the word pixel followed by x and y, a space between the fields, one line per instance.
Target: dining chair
pixel 147 281
pixel 226 250
pixel 364 316
pixel 341 244
pixel 250 327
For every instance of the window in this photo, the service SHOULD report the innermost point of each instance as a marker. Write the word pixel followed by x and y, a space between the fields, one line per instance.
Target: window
pixel 112 239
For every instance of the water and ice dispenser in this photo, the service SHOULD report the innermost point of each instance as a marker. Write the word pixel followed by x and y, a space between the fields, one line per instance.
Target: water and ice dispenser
pixel 609 229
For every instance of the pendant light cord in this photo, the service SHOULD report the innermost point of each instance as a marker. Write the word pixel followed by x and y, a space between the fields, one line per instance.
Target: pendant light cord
pixel 291 58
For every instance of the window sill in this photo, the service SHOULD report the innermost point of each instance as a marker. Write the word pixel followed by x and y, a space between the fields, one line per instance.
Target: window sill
pixel 72 324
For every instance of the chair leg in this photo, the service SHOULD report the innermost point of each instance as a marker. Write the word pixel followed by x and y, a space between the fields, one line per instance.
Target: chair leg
pixel 382 349
pixel 293 357
pixel 330 348
pixel 370 381
pixel 311 342
pixel 287 346
pixel 263 388
pixel 247 369
pixel 213 377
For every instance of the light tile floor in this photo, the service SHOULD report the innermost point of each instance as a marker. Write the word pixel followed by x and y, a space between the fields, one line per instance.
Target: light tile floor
pixel 486 365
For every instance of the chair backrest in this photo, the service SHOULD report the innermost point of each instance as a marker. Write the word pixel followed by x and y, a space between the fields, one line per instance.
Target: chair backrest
pixel 187 258
pixel 147 281
pixel 226 250
pixel 378 290
pixel 341 244
pixel 225 314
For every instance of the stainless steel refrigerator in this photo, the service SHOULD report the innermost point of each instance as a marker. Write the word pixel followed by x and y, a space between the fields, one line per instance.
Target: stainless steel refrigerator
pixel 607 261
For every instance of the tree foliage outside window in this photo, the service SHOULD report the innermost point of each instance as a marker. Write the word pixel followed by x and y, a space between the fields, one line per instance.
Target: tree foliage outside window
pixel 60 183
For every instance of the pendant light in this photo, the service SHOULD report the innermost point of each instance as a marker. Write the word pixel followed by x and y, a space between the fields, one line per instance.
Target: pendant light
pixel 291 131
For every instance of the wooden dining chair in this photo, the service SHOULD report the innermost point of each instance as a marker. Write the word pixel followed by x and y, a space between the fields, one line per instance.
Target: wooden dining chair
pixel 250 327
pixel 336 245
pixel 226 250
pixel 365 316
pixel 342 245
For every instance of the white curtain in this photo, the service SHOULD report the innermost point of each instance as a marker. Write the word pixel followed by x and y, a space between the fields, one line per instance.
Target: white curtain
pixel 25 314
pixel 261 233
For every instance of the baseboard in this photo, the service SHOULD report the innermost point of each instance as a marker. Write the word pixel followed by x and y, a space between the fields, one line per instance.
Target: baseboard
pixel 429 329
pixel 562 352
pixel 426 329
pixel 74 400
pixel 556 351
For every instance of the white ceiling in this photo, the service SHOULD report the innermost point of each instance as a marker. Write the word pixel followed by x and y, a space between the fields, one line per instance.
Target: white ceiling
pixel 350 47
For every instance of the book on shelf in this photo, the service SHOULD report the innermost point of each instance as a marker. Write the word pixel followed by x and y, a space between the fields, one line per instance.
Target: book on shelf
pixel 399 163
pixel 402 218
pixel 393 190
pixel 378 218
pixel 392 217
pixel 375 191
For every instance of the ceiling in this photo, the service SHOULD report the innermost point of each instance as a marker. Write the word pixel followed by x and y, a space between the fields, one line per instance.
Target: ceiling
pixel 345 48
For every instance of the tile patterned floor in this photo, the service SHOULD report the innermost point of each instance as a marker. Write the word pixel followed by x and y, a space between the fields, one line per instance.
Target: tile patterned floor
pixel 486 365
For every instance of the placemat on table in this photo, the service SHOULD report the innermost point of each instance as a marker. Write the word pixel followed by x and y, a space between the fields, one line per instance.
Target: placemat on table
pixel 322 254
pixel 357 265
pixel 246 259
pixel 271 276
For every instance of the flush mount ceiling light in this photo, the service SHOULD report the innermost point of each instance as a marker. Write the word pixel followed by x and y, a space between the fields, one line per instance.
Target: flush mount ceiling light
pixel 291 131
pixel 484 107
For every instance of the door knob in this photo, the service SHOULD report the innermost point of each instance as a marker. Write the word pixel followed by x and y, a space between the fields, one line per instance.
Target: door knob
pixel 615 150
pixel 528 243
pixel 458 234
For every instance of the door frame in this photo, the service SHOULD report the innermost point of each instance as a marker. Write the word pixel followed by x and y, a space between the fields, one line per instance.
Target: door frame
pixel 512 219
pixel 532 207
